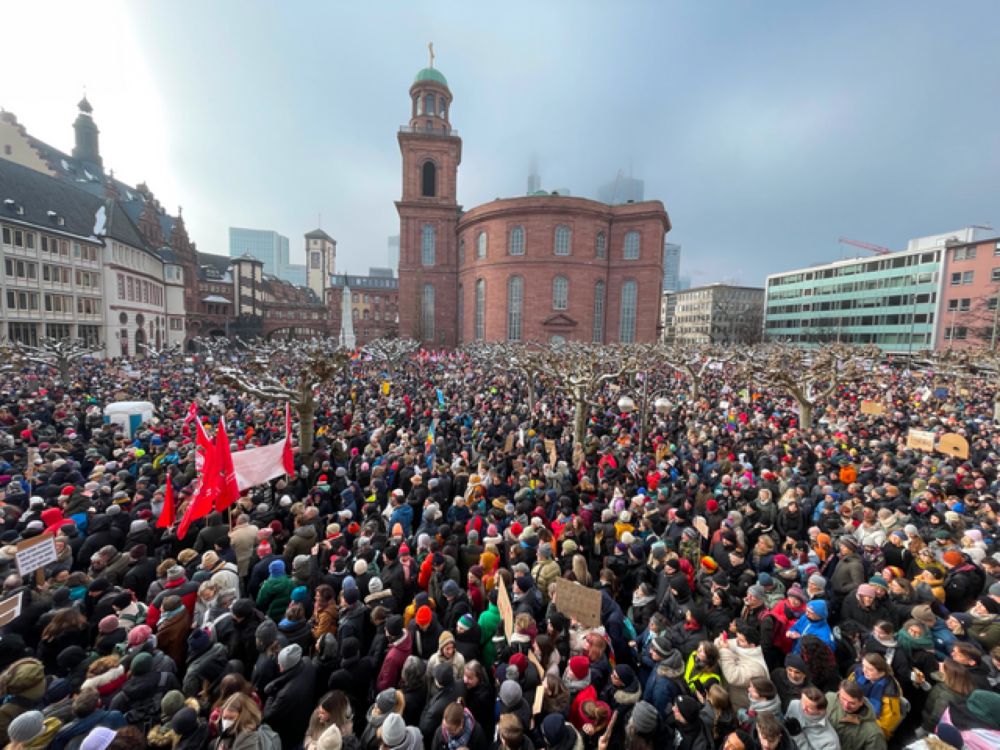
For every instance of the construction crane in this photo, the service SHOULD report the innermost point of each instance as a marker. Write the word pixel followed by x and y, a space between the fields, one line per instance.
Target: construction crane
pixel 877 249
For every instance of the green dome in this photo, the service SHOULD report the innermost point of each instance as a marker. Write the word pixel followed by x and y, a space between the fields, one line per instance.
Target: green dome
pixel 431 74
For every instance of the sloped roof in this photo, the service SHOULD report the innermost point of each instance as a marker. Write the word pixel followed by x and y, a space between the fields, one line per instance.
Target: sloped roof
pixel 319 234
pixel 37 194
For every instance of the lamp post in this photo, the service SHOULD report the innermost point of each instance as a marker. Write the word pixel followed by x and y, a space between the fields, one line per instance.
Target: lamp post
pixel 626 405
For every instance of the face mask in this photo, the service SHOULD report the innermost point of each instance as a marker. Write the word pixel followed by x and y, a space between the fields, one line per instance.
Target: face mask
pixel 226 724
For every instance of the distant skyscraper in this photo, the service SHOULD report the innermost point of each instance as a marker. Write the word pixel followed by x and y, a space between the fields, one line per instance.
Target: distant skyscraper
pixel 534 179
pixel 270 248
pixel 622 189
pixel 393 258
pixel 671 267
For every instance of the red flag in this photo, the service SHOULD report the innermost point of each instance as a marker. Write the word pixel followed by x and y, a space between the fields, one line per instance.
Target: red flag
pixel 229 491
pixel 167 515
pixel 209 487
pixel 191 415
pixel 286 455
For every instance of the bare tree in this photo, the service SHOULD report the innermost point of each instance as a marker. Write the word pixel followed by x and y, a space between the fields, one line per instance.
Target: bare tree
pixel 391 351
pixel 292 372
pixel 59 354
pixel 808 375
pixel 691 361
pixel 531 359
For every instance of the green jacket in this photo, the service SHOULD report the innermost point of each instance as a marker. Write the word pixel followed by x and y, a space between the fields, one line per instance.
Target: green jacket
pixel 859 731
pixel 490 623
pixel 274 596
pixel 986 633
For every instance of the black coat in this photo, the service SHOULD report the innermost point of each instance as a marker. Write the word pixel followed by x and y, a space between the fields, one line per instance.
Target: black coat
pixel 289 702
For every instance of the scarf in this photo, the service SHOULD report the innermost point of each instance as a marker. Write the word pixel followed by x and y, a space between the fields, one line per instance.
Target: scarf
pixel 462 739
pixel 910 644
pixel 169 615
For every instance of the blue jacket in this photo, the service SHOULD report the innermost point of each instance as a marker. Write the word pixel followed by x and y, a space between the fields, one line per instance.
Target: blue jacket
pixel 660 691
pixel 403 515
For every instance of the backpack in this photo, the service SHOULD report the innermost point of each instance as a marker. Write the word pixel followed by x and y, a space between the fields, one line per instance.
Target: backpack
pixel 267 738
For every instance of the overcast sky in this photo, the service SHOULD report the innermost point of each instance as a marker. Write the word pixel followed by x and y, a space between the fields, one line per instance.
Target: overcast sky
pixel 768 129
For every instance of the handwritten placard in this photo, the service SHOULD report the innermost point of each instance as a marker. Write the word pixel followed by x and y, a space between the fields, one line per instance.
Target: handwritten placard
pixel 10 608
pixel 920 440
pixel 35 553
pixel 872 407
pixel 550 448
pixel 578 602
pixel 701 525
pixel 505 607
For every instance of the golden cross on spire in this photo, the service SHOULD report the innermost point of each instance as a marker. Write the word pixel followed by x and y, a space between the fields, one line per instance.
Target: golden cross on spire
pixel 430 48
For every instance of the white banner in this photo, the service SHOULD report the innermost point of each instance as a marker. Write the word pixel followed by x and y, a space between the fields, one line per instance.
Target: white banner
pixel 259 465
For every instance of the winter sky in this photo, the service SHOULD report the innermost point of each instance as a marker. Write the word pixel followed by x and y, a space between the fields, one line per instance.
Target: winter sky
pixel 768 129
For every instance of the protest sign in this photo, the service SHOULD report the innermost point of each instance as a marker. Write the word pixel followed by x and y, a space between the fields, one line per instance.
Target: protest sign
pixel 34 554
pixel 579 602
pixel 505 607
pixel 550 448
pixel 921 440
pixel 10 608
pixel 872 407
pixel 954 445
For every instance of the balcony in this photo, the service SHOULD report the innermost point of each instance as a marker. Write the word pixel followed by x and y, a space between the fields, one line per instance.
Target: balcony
pixel 451 132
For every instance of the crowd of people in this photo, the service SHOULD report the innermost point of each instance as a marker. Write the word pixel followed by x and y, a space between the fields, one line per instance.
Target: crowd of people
pixel 763 586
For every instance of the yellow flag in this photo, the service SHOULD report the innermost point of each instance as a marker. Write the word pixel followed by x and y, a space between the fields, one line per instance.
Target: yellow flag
pixel 385 387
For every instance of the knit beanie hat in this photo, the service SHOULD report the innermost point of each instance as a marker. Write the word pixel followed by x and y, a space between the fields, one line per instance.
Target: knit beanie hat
pixel 172 702
pixel 553 728
pixel 394 626
pixel 185 722
pixel 300 594
pixel 386 701
pixel 579 666
pixel 331 739
pixel 26 727
pixel 424 616
pixel 465 622
pixel 141 664
pixel 139 635
pixel 393 730
pixel 99 738
pixel 267 633
pixel 689 708
pixel 645 718
pixel 276 568
pixel 289 656
pixel 985 706
pixel 443 675
pixel 107 625
pixel 510 693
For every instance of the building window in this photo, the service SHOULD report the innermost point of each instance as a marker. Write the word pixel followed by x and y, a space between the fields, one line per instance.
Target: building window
pixel 631 245
pixel 601 245
pixel 314 259
pixel 461 313
pixel 516 245
pixel 967 277
pixel 427 313
pixel 563 240
pixel 951 333
pixel 428 180
pixel 626 329
pixel 480 311
pixel 598 333
pixel 481 242
pixel 461 250
pixel 354 315
pixel 355 298
pixel 994 275
pixel 560 293
pixel 428 240
pixel 429 104
pixel 956 278
pixel 515 305
pixel 965 253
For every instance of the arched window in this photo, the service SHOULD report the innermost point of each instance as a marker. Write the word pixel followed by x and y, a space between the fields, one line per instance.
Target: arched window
pixel 560 293
pixel 427 313
pixel 480 311
pixel 563 239
pixel 516 244
pixel 420 105
pixel 441 106
pixel 598 332
pixel 354 315
pixel 601 245
pixel 428 180
pixel 631 245
pixel 481 245
pixel 626 325
pixel 429 105
pixel 366 315
pixel 515 306
pixel 428 239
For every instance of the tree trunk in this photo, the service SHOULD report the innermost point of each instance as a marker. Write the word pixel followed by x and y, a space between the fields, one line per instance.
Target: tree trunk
pixel 62 365
pixel 805 414
pixel 530 376
pixel 695 387
pixel 579 417
pixel 306 409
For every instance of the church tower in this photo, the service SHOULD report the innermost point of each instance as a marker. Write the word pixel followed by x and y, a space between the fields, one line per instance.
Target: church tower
pixel 428 215
pixel 86 147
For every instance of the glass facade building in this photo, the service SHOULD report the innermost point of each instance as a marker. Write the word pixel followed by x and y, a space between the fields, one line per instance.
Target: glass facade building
pixel 890 301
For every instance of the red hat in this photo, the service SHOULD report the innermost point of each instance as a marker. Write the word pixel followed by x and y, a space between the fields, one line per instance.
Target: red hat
pixel 712 506
pixel 952 558
pixel 353 528
pixel 404 549
pixel 139 635
pixel 67 490
pixel 263 549
pixel 424 616
pixel 782 561
pixel 322 479
pixel 709 564
pixel 516 528
pixel 579 666
pixel 520 661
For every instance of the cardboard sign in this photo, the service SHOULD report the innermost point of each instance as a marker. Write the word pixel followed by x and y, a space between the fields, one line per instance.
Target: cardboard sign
pixel 661 451
pixel 872 407
pixel 508 446
pixel 36 553
pixel 10 608
pixel 578 602
pixel 701 525
pixel 920 440
pixel 550 448
pixel 536 705
pixel 954 445
pixel 505 607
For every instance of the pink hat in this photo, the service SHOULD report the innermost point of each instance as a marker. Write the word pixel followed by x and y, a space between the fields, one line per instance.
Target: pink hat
pixel 139 635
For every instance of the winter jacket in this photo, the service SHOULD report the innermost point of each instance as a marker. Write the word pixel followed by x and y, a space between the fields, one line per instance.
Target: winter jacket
pixel 392 667
pixel 847 576
pixel 739 666
pixel 815 733
pixel 858 731
pixel 274 596
pixel 289 702
pixel 301 543
pixel 207 666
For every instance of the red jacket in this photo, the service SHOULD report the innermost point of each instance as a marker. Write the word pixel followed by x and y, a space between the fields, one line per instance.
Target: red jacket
pixel 392 668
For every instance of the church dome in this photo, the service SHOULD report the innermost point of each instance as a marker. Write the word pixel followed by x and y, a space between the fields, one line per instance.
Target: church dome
pixel 431 75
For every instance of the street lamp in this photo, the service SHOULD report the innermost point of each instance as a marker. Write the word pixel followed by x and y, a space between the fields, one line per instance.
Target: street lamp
pixel 661 405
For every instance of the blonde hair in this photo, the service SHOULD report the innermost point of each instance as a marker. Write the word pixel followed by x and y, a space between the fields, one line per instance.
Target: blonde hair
pixel 248 718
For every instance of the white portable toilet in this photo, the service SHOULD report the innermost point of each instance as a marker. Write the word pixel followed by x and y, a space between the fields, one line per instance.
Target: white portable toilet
pixel 128 414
